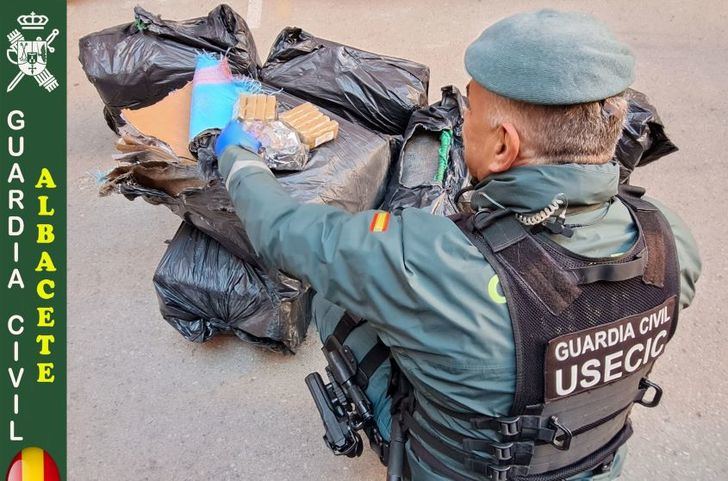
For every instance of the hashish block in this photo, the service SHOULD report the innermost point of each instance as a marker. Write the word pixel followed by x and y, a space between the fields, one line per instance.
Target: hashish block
pixel 314 127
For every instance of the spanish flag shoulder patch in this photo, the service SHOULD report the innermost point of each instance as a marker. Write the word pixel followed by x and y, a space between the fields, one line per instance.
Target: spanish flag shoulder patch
pixel 33 464
pixel 380 222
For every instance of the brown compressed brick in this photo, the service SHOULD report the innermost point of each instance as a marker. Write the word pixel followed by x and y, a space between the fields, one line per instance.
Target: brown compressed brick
pixel 256 107
pixel 321 133
pixel 311 121
pixel 292 115
pixel 270 107
pixel 312 125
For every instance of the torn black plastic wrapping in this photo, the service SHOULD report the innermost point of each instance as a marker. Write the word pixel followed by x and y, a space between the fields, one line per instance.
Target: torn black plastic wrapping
pixel 204 290
pixel 211 279
pixel 375 90
pixel 349 172
pixel 137 64
pixel 436 197
pixel 643 138
pixel 209 209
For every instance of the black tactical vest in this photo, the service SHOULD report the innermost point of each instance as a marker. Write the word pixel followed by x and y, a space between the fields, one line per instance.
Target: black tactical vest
pixel 587 332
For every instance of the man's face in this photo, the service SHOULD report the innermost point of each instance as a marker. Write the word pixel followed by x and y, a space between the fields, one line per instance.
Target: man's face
pixel 479 136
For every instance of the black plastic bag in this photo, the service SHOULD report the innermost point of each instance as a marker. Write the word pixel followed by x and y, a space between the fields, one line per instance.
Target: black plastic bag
pixel 413 182
pixel 137 64
pixel 179 187
pixel 643 141
pixel 349 172
pixel 377 91
pixel 203 290
pixel 643 138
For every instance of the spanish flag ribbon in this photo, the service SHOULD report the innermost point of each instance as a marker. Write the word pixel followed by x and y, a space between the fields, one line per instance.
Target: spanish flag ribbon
pixel 380 222
pixel 33 464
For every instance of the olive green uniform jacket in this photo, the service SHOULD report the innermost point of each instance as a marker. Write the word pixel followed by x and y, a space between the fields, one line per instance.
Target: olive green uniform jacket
pixel 426 291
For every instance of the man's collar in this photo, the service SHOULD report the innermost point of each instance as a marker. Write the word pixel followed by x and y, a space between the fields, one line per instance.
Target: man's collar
pixel 530 188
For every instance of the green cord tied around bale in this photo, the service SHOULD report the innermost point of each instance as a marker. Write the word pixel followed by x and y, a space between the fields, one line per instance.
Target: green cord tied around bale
pixel 140 25
pixel 443 154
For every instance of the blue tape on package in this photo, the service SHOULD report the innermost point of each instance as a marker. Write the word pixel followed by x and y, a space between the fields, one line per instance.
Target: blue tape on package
pixel 214 93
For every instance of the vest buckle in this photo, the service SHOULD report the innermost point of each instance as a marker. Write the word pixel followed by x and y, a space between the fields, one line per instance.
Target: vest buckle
pixel 503 451
pixel 510 426
pixel 562 434
pixel 498 473
pixel 646 384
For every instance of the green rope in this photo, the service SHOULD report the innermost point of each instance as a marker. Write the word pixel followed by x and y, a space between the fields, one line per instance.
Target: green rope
pixel 140 25
pixel 443 154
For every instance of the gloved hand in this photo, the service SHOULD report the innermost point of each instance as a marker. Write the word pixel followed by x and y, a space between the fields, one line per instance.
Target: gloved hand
pixel 234 133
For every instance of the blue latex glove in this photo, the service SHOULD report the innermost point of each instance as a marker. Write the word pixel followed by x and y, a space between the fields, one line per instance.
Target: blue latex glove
pixel 235 134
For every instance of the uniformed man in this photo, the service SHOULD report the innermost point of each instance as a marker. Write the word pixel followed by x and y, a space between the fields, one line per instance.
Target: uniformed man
pixel 521 336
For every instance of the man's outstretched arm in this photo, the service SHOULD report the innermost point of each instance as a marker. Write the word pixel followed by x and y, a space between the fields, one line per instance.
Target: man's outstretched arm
pixel 355 260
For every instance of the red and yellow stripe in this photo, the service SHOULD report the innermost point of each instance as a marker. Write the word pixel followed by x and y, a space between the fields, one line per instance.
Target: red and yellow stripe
pixel 33 464
pixel 380 222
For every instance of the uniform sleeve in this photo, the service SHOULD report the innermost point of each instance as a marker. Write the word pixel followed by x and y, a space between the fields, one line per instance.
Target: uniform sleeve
pixel 687 253
pixel 355 261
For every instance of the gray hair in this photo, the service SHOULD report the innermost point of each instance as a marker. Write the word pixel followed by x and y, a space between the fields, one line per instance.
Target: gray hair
pixel 557 134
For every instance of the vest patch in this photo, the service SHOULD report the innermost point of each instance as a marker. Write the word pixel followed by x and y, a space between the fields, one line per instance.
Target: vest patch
pixel 599 355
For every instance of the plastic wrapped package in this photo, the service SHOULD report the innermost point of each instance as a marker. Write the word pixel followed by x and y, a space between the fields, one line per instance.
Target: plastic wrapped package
pixel 282 148
pixel 643 138
pixel 375 90
pixel 430 168
pixel 139 63
pixel 349 173
pixel 204 290
pixel 202 106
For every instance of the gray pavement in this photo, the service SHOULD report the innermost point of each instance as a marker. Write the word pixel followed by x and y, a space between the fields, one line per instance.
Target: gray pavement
pixel 146 404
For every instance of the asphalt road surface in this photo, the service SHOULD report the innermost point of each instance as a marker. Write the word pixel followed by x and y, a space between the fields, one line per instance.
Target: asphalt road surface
pixel 146 404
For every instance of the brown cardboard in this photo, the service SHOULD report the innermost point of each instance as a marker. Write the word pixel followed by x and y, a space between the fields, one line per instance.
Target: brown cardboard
pixel 168 120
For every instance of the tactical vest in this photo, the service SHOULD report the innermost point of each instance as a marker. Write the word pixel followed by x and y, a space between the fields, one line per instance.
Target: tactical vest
pixel 587 332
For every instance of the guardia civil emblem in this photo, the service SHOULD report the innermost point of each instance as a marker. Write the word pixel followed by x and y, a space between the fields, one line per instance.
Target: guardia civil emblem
pixel 31 56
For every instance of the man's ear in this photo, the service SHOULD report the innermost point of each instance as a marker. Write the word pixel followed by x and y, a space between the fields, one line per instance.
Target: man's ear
pixel 507 148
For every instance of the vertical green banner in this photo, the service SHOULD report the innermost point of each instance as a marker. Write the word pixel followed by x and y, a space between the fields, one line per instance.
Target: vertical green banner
pixel 33 244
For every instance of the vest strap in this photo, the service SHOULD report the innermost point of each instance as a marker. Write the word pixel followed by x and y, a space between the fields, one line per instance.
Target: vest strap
pixel 375 357
pixel 489 471
pixel 515 472
pixel 346 326
pixel 502 453
pixel 653 224
pixel 504 233
pixel 611 272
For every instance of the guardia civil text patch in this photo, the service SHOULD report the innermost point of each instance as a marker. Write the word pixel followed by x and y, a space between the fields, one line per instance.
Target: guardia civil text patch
pixel 599 355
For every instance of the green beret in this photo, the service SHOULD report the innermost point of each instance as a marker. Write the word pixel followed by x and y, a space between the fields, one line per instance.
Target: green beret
pixel 551 58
